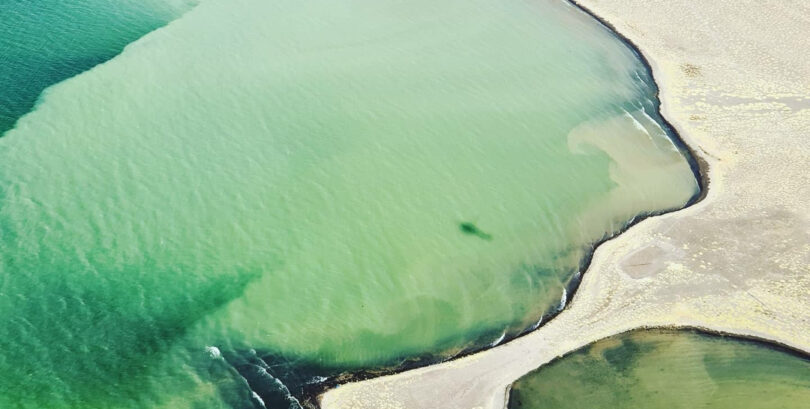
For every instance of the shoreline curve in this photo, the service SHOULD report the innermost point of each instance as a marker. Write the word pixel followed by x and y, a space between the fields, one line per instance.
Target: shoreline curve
pixel 398 390
pixel 700 169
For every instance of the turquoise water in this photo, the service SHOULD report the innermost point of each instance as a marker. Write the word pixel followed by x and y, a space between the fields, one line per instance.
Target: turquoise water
pixel 669 370
pixel 264 193
pixel 43 42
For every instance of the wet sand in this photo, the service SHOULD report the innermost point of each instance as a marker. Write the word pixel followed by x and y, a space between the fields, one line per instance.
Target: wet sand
pixel 735 83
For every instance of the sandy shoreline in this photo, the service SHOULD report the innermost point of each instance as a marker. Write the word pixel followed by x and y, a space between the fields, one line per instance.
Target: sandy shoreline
pixel 735 84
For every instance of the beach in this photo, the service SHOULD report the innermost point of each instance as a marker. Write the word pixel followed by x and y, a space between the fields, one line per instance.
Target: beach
pixel 735 84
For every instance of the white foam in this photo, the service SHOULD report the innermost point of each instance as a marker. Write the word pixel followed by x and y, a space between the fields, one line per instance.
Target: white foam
pixel 537 324
pixel 214 352
pixel 258 398
pixel 637 124
pixel 563 300
pixel 498 341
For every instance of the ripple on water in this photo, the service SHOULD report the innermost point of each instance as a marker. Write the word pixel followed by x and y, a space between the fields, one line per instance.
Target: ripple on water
pixel 314 187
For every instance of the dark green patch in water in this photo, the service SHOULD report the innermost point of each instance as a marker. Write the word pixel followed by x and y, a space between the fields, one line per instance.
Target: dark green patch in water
pixel 47 41
pixel 623 357
pixel 473 230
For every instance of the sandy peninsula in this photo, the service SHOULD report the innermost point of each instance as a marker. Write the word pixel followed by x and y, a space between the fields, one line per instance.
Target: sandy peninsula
pixel 735 82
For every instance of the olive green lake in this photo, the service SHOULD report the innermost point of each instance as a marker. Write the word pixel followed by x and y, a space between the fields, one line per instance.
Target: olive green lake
pixel 672 370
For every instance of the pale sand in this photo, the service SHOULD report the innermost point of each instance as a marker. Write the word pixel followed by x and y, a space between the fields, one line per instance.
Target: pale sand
pixel 735 82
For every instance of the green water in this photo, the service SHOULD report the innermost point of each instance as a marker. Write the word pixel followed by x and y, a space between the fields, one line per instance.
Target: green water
pixel 43 42
pixel 282 190
pixel 652 369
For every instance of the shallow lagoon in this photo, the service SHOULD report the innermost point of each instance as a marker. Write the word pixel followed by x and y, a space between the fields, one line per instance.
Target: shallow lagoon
pixel 657 369
pixel 262 193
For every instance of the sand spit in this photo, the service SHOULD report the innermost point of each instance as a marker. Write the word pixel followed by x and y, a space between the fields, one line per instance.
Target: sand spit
pixel 735 82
